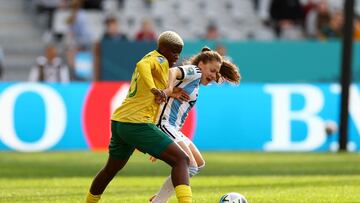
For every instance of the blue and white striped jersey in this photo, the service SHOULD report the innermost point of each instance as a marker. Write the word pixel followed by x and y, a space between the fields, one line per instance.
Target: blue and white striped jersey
pixel 174 112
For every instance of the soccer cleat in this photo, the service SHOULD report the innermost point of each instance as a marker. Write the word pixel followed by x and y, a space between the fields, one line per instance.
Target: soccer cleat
pixel 151 199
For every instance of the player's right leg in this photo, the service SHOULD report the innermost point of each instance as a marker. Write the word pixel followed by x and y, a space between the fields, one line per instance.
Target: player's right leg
pixel 178 137
pixel 103 178
pixel 167 189
pixel 196 154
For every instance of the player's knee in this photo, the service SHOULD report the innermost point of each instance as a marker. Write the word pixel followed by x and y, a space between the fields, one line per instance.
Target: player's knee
pixel 185 159
pixel 200 167
pixel 200 163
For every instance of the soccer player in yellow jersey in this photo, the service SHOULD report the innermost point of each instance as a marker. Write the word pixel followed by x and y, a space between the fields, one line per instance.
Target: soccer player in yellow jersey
pixel 133 123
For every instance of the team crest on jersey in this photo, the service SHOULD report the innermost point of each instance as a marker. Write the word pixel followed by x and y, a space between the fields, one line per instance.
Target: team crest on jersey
pixel 161 59
pixel 190 71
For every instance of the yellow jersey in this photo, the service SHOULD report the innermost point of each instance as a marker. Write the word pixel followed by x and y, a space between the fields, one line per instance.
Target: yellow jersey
pixel 139 106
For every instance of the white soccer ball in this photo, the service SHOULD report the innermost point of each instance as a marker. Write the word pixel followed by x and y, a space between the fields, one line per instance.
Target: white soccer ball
pixel 331 127
pixel 233 197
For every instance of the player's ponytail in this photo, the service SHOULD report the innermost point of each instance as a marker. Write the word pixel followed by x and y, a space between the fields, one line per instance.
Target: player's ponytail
pixel 229 72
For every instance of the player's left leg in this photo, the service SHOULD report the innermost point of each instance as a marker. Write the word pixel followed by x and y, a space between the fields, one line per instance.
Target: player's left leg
pixel 197 155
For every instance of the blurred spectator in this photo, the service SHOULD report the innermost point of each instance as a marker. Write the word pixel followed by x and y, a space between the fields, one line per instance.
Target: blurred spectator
pixel 112 32
pixel 212 32
pixel 78 29
pixel 49 68
pixel 317 19
pixel 49 7
pixel 78 38
pixel 112 29
pixel 221 49
pixel 334 28
pixel 357 28
pixel 146 32
pixel 287 16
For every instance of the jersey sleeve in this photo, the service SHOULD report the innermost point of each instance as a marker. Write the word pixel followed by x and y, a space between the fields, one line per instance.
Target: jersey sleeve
pixel 189 72
pixel 144 70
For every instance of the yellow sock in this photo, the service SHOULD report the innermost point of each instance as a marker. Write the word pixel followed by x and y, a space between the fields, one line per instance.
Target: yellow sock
pixel 90 198
pixel 183 193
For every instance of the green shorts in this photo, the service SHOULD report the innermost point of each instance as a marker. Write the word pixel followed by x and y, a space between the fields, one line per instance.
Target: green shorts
pixel 146 137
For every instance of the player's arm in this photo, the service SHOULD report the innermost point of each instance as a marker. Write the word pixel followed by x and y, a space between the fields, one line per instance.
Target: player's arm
pixel 174 73
pixel 169 91
pixel 177 73
pixel 144 70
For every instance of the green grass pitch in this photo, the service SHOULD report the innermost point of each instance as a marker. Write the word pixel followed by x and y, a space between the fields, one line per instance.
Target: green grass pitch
pixel 261 177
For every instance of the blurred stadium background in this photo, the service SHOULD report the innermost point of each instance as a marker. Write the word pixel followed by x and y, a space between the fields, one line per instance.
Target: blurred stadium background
pixel 65 66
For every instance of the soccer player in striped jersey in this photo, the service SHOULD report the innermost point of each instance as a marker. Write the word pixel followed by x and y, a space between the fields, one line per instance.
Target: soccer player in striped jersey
pixel 205 67
pixel 133 123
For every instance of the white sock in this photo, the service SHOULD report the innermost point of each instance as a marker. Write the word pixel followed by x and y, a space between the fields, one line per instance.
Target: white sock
pixel 165 192
pixel 167 188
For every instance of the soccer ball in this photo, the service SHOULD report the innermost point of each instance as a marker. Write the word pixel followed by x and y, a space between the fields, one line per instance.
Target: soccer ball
pixel 233 197
pixel 331 127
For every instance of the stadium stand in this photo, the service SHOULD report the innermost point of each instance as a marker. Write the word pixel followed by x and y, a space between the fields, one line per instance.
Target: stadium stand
pixel 19 38
pixel 1 62
pixel 24 31
pixel 189 17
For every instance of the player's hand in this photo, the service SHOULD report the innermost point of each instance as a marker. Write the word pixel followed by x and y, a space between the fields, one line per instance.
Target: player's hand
pixel 152 159
pixel 160 95
pixel 180 94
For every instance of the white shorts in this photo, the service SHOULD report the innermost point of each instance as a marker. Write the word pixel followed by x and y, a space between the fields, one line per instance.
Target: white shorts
pixel 173 133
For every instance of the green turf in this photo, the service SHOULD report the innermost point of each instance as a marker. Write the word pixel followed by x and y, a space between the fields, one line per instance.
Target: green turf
pixel 261 177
